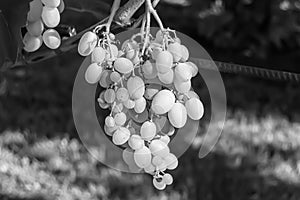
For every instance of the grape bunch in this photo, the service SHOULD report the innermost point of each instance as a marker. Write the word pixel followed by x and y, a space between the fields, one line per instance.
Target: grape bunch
pixel 42 18
pixel 147 87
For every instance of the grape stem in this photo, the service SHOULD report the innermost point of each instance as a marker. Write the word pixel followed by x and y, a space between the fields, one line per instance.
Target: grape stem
pixel 154 13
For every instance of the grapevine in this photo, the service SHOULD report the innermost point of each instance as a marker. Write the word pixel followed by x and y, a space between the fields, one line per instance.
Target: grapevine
pixel 147 88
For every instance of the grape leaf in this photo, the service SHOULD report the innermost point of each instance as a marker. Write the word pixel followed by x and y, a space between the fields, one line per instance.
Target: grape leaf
pixel 13 17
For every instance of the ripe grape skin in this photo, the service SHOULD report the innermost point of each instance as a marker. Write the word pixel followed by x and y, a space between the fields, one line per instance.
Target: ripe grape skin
pixel 178 115
pixel 171 161
pixel 109 95
pixel 115 77
pixel 159 148
pixel 93 73
pixel 35 10
pixel 105 79
pixel 123 65
pixel 122 94
pixel 152 90
pixel 166 78
pixel 148 130
pixel 156 160
pixel 120 118
pixel 32 43
pixel 50 16
pixel 176 50
pixel 159 185
pixel 87 43
pixel 121 136
pixel 142 157
pixel 110 122
pixel 162 102
pixel 129 104
pixel 182 87
pixel 183 72
pixel 164 62
pixel 185 53
pixel 98 55
pixel 136 87
pixel 51 3
pixel 135 142
pixel 35 28
pixel 168 179
pixel 193 68
pixel 51 39
pixel 195 108
pixel 140 105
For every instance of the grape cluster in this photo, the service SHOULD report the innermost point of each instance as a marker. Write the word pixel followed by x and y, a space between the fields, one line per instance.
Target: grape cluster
pixel 43 13
pixel 147 87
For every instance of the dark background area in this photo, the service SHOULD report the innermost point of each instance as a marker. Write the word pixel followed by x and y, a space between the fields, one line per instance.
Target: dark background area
pixel 257 156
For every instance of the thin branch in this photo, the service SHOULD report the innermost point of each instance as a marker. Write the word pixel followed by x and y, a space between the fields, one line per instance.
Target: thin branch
pixel 122 18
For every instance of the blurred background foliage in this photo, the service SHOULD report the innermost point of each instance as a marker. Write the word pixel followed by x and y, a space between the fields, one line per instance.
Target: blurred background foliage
pixel 257 156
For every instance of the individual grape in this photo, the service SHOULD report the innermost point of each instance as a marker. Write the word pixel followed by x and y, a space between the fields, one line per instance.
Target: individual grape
pixel 87 43
pixel 139 117
pixel 121 136
pixel 129 104
pixel 142 157
pixel 149 71
pixel 167 179
pixel 93 73
pixel 51 39
pixel 110 122
pixel 171 131
pixel 61 6
pixel 166 78
pixel 98 55
pixel 110 130
pixel 162 102
pixel 51 3
pixel 128 158
pixel 156 160
pixel 122 94
pixel 35 10
pixel 123 65
pixel 135 87
pixel 162 166
pixel 165 138
pixel 183 72
pixel 35 28
pixel 183 87
pixel 176 50
pixel 120 118
pixel 140 105
pixel 148 130
pixel 133 55
pixel 177 40
pixel 155 50
pixel 32 43
pixel 150 169
pixel 109 95
pixel 159 148
pixel 195 108
pixel 120 53
pixel 117 108
pixel 129 44
pixel 192 94
pixel 178 115
pixel 50 16
pixel 159 36
pixel 185 53
pixel 171 161
pixel 159 184
pixel 105 79
pixel 152 90
pixel 112 36
pixel 164 62
pixel 136 142
pixel 193 68
pixel 115 77
pixel 102 103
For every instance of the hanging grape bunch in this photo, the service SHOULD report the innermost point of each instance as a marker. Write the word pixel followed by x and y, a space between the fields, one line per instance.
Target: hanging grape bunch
pixel 147 88
pixel 42 18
